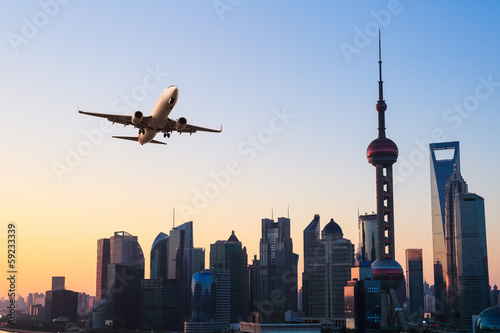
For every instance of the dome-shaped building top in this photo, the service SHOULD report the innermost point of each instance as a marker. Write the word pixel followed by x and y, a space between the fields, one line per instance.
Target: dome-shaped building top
pixel 332 230
pixel 489 320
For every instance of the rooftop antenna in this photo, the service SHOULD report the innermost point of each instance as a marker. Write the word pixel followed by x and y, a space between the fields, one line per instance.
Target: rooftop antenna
pixel 272 213
pixel 288 212
pixel 173 226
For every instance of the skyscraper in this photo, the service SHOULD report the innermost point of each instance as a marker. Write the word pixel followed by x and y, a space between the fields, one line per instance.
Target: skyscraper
pixel 198 259
pixel 58 283
pixel 329 272
pixel 472 258
pixel 443 157
pixel 368 238
pixel 231 255
pixel 311 235
pixel 454 185
pixel 160 296
pixel 211 301
pixel 414 283
pixel 122 264
pixel 180 263
pixel 103 257
pixel 159 257
pixel 254 304
pixel 382 153
pixel 278 266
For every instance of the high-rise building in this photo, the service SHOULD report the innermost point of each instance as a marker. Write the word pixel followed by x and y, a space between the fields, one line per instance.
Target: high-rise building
pixel 61 303
pixel 160 299
pixel 58 283
pixel 125 250
pixel 494 294
pixel 368 238
pixel 454 185
pixel 159 257
pixel 472 258
pixel 180 263
pixel 103 258
pixel 414 284
pixel 311 235
pixel 278 266
pixel 382 153
pixel 123 306
pixel 231 255
pixel 444 156
pixel 254 286
pixel 198 259
pixel 329 272
pixel 211 307
pixel 120 269
pixel 362 300
pixel 160 295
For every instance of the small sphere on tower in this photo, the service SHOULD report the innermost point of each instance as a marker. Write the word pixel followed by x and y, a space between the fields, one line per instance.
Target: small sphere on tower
pixel 381 106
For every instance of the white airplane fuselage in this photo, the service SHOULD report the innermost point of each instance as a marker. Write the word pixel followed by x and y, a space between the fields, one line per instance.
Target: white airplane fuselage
pixel 159 114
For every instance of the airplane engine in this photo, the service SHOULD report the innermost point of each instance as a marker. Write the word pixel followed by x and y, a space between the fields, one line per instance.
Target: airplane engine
pixel 180 124
pixel 137 117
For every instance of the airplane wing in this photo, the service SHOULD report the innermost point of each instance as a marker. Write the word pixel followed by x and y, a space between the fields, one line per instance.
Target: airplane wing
pixel 120 119
pixel 170 127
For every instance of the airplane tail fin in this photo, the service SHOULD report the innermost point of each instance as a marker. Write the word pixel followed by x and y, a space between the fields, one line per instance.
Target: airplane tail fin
pixel 135 138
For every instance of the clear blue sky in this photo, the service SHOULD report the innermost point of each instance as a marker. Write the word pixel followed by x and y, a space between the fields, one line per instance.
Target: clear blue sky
pixel 294 85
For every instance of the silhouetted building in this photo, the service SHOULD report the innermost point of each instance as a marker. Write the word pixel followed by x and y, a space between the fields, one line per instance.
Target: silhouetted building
pixel 198 259
pixel 454 185
pixel 232 256
pixel 211 307
pixel 443 157
pixel 254 286
pixel 368 238
pixel 61 303
pixel 103 259
pixel 124 284
pixel 278 266
pixel 84 304
pixel 180 264
pixel 160 299
pixel 329 273
pixel 472 257
pixel 362 300
pixel 414 284
pixel 494 296
pixel 311 235
pixel 121 263
pixel 159 257
pixel 58 283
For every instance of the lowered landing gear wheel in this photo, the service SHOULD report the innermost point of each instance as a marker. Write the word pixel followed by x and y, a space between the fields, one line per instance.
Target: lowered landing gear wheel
pixel 166 135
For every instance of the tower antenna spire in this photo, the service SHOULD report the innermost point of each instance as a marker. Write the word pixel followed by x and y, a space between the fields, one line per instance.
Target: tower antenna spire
pixel 381 106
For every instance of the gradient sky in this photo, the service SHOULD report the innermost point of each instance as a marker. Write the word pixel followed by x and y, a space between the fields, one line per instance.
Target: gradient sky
pixel 294 85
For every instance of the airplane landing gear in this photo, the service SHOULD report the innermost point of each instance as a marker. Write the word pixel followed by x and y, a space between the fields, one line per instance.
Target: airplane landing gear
pixel 166 135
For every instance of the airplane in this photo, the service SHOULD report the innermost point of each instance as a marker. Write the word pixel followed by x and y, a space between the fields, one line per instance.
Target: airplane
pixel 157 121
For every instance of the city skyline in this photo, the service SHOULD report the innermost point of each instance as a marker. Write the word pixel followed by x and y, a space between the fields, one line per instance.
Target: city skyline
pixel 294 87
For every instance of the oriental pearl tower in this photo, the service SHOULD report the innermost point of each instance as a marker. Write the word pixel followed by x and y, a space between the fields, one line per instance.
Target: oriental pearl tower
pixel 382 153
